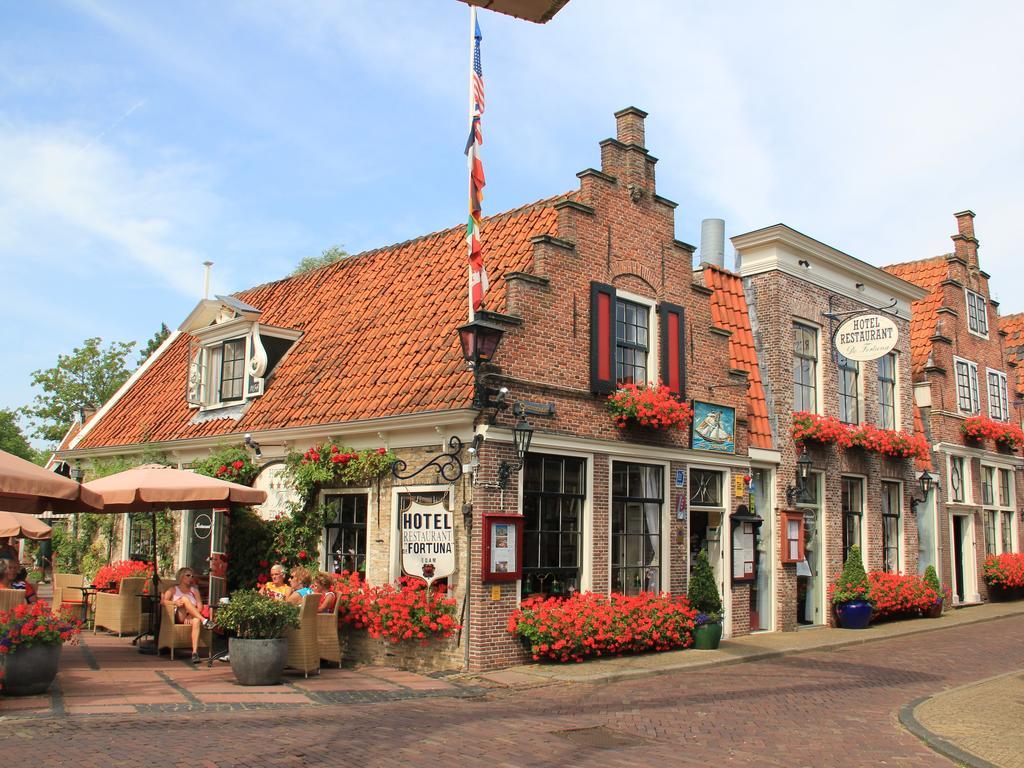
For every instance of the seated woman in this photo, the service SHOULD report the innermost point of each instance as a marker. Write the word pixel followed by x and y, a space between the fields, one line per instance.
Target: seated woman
pixel 324 586
pixel 276 587
pixel 11 578
pixel 300 581
pixel 188 606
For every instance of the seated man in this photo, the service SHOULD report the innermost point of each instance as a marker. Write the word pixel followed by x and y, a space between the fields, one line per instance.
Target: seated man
pixel 276 587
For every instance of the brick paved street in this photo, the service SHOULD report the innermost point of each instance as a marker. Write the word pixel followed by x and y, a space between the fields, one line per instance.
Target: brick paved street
pixel 834 708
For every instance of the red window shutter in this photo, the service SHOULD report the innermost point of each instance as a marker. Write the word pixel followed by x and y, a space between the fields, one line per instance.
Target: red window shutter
pixel 602 338
pixel 672 322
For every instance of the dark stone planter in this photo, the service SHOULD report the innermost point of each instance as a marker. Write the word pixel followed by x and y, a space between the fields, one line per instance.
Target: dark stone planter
pixel 855 615
pixel 935 611
pixel 1004 594
pixel 258 662
pixel 30 671
pixel 706 637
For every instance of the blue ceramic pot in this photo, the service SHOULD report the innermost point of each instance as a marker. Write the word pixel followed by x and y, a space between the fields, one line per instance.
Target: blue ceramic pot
pixel 855 615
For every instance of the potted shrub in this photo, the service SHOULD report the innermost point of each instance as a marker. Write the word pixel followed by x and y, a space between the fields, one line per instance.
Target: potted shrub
pixel 31 638
pixel 257 644
pixel 851 594
pixel 704 598
pixel 931 579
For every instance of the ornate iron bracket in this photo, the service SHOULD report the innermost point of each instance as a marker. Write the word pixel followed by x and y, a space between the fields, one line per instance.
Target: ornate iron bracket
pixel 448 465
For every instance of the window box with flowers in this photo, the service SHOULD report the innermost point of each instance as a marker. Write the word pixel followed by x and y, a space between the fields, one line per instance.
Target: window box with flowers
pixel 822 430
pixel 890 442
pixel 1004 434
pixel 1004 575
pixel 31 638
pixel 654 407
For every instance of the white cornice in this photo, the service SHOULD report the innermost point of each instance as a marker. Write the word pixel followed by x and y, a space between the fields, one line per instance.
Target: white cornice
pixel 989 457
pixel 781 248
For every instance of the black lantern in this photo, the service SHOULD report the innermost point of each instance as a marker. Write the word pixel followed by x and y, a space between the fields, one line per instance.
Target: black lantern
pixel 927 482
pixel 522 434
pixel 479 341
pixel 77 473
pixel 798 492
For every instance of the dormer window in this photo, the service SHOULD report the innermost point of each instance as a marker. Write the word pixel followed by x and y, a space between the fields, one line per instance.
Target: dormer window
pixel 232 369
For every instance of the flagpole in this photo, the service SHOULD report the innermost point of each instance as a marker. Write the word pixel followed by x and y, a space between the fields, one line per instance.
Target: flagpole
pixel 469 265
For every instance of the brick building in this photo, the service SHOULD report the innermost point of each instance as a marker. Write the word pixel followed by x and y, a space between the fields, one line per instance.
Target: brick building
pixel 800 290
pixel 962 369
pixel 590 288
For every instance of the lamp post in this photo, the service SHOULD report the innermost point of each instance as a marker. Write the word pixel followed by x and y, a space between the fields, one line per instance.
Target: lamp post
pixel 522 434
pixel 78 475
pixel 480 340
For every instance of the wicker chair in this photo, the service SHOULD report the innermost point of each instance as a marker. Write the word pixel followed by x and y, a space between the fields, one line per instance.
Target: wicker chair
pixel 175 636
pixel 120 613
pixel 303 653
pixel 9 598
pixel 327 637
pixel 65 594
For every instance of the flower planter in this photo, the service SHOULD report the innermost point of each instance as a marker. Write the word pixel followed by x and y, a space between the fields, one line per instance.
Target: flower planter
pixel 706 637
pixel 854 615
pixel 998 594
pixel 258 662
pixel 30 670
pixel 935 611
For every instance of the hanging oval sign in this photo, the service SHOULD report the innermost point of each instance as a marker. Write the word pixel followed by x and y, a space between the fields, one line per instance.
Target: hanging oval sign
pixel 866 337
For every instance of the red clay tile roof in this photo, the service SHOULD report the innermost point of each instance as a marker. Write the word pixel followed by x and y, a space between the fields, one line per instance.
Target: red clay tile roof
pixel 1014 327
pixel 65 442
pixel 378 339
pixel 927 273
pixel 729 311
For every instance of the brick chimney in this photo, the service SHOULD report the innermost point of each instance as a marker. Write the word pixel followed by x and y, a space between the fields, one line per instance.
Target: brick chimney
pixel 629 126
pixel 965 244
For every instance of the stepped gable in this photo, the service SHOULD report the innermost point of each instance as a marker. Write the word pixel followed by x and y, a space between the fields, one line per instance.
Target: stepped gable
pixel 928 274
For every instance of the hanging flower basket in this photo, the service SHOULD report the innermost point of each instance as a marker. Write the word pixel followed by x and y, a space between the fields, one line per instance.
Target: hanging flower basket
pixel 648 406
pixel 823 430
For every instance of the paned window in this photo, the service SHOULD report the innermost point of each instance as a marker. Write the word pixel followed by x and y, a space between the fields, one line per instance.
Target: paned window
pixel 705 488
pixel 631 341
pixel 957 480
pixel 887 391
pixel 805 368
pixel 345 548
pixel 637 500
pixel 1004 488
pixel 988 481
pixel 849 372
pixel 891 527
pixel 998 400
pixel 977 313
pixel 853 513
pixel 991 547
pixel 140 536
pixel 554 491
pixel 967 386
pixel 232 370
pixel 1007 542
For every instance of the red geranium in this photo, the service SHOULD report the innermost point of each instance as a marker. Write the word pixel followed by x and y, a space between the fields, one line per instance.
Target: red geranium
pixel 981 428
pixel 648 406
pixel 407 612
pixel 1005 571
pixel 113 573
pixel 812 428
pixel 890 442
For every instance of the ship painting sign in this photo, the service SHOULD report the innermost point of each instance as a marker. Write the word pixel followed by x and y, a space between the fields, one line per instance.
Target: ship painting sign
pixel 866 337
pixel 714 428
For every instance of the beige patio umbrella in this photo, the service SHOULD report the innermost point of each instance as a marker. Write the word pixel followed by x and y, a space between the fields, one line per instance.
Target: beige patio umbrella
pixel 25 526
pixel 28 488
pixel 152 487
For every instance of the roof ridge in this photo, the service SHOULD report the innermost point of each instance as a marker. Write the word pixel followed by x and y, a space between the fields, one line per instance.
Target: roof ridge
pixel 917 261
pixel 546 202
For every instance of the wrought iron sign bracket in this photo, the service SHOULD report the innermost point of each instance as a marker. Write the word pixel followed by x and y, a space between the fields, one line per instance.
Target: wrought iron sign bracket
pixel 448 465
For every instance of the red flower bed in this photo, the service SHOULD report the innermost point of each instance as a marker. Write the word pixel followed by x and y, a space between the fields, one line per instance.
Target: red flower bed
pixel 982 428
pixel 648 407
pixel 114 572
pixel 1005 571
pixel 890 442
pixel 588 624
pixel 812 428
pixel 407 612
pixel 896 594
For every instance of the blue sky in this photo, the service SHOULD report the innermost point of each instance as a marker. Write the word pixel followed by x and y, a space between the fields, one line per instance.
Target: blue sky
pixel 139 139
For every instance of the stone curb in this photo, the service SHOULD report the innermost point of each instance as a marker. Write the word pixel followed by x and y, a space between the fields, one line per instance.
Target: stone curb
pixel 859 638
pixel 936 742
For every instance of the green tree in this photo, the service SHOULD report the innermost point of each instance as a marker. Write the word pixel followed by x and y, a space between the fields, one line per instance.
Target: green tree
pixel 326 257
pixel 703 590
pixel 153 343
pixel 86 377
pixel 11 438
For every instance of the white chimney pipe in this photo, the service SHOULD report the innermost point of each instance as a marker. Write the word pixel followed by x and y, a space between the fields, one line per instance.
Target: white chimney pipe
pixel 712 242
pixel 206 279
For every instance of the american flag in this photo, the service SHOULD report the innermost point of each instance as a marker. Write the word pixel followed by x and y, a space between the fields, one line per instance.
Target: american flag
pixel 477 274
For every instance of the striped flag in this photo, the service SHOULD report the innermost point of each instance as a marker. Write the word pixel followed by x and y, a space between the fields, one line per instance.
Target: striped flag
pixel 477 273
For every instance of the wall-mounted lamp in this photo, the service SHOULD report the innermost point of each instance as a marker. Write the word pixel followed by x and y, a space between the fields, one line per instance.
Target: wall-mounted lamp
pixel 254 445
pixel 859 286
pixel 926 482
pixel 804 263
pixel 480 340
pixel 77 473
pixel 797 493
pixel 522 433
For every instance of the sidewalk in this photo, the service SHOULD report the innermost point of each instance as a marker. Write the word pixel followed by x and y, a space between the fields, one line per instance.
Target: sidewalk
pixel 977 725
pixel 750 648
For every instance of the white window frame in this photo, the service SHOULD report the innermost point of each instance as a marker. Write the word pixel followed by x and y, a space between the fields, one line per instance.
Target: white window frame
pixel 653 334
pixel 858 398
pixel 368 493
pixel 968 484
pixel 972 379
pixel 901 550
pixel 896 411
pixel 999 405
pixel 818 388
pixel 863 480
pixel 979 312
pixel 665 555
pixel 999 508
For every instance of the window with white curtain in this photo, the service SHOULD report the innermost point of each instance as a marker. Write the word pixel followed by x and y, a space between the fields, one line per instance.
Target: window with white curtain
pixel 637 500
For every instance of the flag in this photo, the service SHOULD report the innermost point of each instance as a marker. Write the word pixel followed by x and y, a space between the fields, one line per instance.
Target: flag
pixel 477 273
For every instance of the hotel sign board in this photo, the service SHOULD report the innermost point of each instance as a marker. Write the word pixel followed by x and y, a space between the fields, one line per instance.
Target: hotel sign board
pixel 866 337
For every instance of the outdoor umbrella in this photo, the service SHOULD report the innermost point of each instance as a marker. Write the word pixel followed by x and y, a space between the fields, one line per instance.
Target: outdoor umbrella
pixel 25 526
pixel 26 487
pixel 152 487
